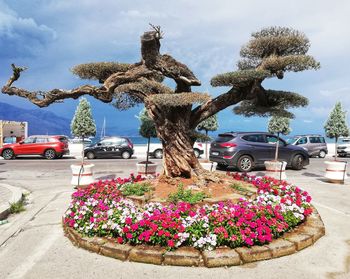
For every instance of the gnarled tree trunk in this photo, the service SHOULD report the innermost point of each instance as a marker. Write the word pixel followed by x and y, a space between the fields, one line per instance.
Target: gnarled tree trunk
pixel 173 128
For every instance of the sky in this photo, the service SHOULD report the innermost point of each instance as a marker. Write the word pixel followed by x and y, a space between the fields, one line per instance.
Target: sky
pixel 50 37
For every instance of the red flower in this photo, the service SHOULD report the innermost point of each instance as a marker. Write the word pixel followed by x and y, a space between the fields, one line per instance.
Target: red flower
pixel 171 243
pixel 125 229
pixel 120 240
pixel 129 235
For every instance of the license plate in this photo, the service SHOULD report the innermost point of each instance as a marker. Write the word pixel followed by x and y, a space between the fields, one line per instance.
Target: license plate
pixel 215 153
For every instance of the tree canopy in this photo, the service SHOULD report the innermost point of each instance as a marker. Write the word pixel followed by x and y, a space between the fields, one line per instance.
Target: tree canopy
pixel 279 125
pixel 147 128
pixel 336 125
pixel 83 124
pixel 271 52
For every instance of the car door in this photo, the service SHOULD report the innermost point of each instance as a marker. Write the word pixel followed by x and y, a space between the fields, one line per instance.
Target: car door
pixel 283 151
pixel 105 148
pixel 40 145
pixel 257 147
pixel 304 142
pixel 27 147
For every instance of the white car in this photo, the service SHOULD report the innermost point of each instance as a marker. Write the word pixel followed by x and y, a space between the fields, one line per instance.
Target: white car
pixel 343 149
pixel 156 150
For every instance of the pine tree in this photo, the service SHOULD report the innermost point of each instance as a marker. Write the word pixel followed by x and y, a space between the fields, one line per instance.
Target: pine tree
pixel 176 111
pixel 279 125
pixel 147 130
pixel 336 126
pixel 83 124
pixel 209 124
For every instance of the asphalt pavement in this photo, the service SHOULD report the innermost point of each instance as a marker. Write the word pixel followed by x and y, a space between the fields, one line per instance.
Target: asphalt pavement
pixel 32 244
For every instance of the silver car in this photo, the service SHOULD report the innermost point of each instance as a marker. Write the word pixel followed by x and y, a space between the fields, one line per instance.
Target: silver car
pixel 314 144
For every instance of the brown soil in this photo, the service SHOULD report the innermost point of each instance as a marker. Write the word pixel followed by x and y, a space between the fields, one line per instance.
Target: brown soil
pixel 216 191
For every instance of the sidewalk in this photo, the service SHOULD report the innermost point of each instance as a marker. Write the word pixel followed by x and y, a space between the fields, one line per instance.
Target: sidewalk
pixel 8 194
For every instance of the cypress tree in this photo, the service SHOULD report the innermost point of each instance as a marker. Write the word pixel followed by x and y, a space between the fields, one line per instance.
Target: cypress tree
pixel 336 126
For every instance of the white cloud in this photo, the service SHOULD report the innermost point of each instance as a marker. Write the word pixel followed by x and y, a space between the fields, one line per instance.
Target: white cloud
pixel 21 36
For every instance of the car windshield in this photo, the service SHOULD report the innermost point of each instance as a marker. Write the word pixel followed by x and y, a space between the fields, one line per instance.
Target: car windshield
pixel 291 140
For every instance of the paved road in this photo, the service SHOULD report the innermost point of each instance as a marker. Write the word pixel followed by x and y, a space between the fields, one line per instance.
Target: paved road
pixel 32 245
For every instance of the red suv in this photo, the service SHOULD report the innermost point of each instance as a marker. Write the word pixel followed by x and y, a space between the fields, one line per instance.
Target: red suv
pixel 50 147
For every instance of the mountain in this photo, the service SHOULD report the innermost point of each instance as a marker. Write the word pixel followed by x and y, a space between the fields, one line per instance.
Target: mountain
pixel 40 122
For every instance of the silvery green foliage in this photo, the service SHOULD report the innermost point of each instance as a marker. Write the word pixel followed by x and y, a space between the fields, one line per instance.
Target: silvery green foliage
pixel 279 125
pixel 209 124
pixel 147 128
pixel 83 124
pixel 336 126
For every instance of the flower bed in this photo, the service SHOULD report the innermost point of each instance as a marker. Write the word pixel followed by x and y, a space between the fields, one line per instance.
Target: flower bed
pixel 102 210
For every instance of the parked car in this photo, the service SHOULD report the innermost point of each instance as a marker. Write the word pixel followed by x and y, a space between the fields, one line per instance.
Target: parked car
pixel 156 150
pixel 343 149
pixel 110 147
pixel 314 144
pixel 50 147
pixel 246 150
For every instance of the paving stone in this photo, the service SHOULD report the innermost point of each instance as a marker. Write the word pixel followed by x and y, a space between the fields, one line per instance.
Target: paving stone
pixel 115 250
pixel 221 256
pixel 281 247
pixel 255 253
pixel 300 240
pixel 185 256
pixel 144 254
pixel 315 232
pixel 86 243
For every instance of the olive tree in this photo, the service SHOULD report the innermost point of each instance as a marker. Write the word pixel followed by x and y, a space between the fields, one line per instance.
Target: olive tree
pixel 176 112
pixel 279 125
pixel 336 126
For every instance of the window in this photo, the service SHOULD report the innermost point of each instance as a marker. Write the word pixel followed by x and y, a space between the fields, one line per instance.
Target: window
pixel 302 140
pixel 224 138
pixel 254 138
pixel 29 140
pixel 40 140
pixel 107 142
pixel 273 140
pixel 317 140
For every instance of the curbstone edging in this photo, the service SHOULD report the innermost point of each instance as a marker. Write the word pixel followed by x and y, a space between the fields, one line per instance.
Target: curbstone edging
pixel 16 196
pixel 301 237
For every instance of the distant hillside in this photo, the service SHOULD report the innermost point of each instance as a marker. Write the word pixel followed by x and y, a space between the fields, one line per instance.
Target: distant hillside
pixel 40 122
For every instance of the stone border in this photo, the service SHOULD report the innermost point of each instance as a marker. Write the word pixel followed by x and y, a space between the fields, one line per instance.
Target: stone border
pixel 299 238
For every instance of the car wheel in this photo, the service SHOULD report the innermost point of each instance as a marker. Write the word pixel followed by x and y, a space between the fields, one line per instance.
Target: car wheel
pixel 90 155
pixel 126 155
pixel 245 163
pixel 8 154
pixel 298 162
pixel 322 154
pixel 158 154
pixel 196 153
pixel 50 154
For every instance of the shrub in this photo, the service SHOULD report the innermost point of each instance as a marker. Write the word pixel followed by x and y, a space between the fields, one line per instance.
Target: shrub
pixel 186 196
pixel 136 189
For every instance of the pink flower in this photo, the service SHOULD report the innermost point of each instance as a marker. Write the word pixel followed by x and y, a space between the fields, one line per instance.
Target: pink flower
pixel 134 227
pixel 129 235
pixel 171 243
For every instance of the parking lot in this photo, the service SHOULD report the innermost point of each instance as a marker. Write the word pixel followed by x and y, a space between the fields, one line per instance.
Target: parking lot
pixel 32 244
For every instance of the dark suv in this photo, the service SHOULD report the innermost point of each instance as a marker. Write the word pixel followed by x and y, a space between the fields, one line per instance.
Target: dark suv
pixel 246 150
pixel 110 147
